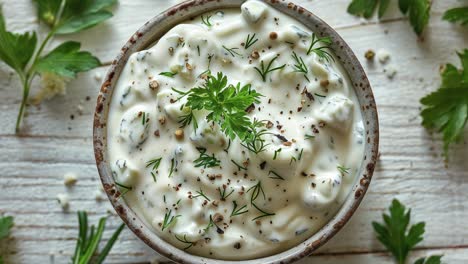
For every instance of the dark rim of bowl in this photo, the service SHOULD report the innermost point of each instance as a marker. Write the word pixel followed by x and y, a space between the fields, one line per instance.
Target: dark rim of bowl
pixel 147 35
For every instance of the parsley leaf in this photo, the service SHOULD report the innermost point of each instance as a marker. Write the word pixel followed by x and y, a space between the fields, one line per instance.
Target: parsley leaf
pixel 16 49
pixel 66 60
pixel 226 104
pixel 366 8
pixel 394 234
pixel 6 223
pixel 457 15
pixel 76 16
pixel 418 10
pixel 446 109
pixel 430 260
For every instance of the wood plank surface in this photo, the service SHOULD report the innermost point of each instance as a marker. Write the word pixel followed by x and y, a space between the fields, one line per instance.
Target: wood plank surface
pixel 57 139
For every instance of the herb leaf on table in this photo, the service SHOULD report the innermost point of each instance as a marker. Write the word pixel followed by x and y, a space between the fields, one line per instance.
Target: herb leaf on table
pixel 446 110
pixel 88 241
pixel 396 234
pixel 457 15
pixel 430 260
pixel 418 11
pixel 22 52
pixel 6 223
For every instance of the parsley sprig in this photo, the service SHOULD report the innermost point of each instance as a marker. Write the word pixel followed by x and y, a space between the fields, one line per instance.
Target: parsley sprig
pixel 88 241
pixel 418 10
pixel 446 110
pixel 455 15
pixel 6 223
pixel 23 54
pixel 226 104
pixel 393 233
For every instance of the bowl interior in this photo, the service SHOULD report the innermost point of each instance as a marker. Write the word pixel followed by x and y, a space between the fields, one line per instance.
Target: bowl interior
pixel 147 36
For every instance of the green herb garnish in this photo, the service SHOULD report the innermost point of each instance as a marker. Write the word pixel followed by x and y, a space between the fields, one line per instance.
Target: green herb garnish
pixel 200 193
pixel 276 153
pixel 322 51
pixel 169 220
pixel 239 167
pixel 125 188
pixel 275 175
pixel 6 223
pixel 186 241
pixel 264 71
pixel 300 65
pixel 206 20
pixel 205 160
pixel 343 169
pixel 232 51
pixel 168 74
pixel 307 137
pixel 226 104
pixel 173 167
pixel 455 15
pixel 446 110
pixel 393 233
pixel 257 189
pixel 366 8
pixel 223 194
pixel 238 211
pixel 254 141
pixel 154 164
pixel 264 213
pixel 88 241
pixel 188 119
pixel 213 224
pixel 250 41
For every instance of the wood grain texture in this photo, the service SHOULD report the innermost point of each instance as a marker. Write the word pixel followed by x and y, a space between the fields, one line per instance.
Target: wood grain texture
pixel 410 168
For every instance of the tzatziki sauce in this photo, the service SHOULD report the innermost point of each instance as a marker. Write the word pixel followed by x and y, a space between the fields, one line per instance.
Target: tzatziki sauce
pixel 237 135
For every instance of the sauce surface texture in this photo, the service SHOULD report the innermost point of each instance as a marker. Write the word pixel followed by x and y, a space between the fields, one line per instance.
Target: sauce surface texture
pixel 237 135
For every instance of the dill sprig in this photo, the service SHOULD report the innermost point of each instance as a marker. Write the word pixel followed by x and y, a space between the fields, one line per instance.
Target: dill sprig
pixel 275 155
pixel 205 160
pixel 188 119
pixel 225 103
pixel 300 65
pixel 186 241
pixel 239 167
pixel 212 224
pixel 264 213
pixel 154 164
pixel 238 211
pixel 307 137
pixel 206 20
pixel 322 51
pixel 144 118
pixel 257 189
pixel 201 194
pixel 254 141
pixel 125 188
pixel 250 41
pixel 222 192
pixel 343 169
pixel 232 51
pixel 168 74
pixel 263 71
pixel 173 167
pixel 169 220
pixel 275 175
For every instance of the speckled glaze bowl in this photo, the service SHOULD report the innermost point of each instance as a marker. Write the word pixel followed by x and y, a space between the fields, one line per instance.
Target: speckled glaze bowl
pixel 148 34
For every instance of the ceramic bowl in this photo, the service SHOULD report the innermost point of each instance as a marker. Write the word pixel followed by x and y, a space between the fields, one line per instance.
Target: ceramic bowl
pixel 147 35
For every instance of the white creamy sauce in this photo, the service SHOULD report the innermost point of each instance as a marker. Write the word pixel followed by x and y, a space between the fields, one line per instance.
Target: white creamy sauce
pixel 245 204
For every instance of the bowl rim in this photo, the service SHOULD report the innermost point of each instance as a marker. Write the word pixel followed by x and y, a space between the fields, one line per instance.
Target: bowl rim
pixel 147 35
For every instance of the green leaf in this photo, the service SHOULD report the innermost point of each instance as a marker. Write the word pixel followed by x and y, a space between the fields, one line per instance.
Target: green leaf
pixel 363 8
pixel 6 223
pixel 430 260
pixel 394 234
pixel 404 5
pixel 457 15
pixel 383 7
pixel 446 110
pixel 66 60
pixel 418 13
pixel 105 251
pixel 77 15
pixel 16 49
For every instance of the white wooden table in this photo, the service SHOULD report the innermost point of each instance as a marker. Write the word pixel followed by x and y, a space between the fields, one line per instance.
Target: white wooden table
pixel 411 168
